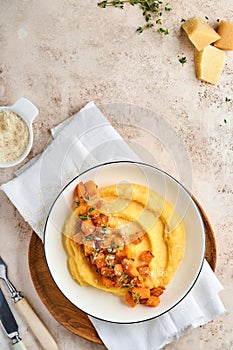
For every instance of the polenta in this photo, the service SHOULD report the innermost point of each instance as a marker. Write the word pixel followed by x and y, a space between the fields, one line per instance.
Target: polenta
pixel 125 239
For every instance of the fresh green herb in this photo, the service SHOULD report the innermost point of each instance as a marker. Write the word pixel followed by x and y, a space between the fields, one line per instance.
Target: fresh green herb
pixel 149 25
pixel 77 203
pixel 148 17
pixel 124 280
pixel 109 262
pixel 139 30
pixel 104 230
pixel 86 199
pixel 183 60
pixel 206 18
pixel 151 9
pixel 91 209
pixel 89 238
pixel 163 31
pixel 93 238
pixel 136 297
pixel 116 3
pixel 95 252
pixel 111 249
pixel 167 8
pixel 227 99
pixel 85 217
pixel 125 285
pixel 114 245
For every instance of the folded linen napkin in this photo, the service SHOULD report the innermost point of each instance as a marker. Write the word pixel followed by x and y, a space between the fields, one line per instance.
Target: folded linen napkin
pixel 84 140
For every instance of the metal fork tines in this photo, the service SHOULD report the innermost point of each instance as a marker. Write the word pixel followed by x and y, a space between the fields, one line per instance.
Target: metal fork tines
pixel 3 275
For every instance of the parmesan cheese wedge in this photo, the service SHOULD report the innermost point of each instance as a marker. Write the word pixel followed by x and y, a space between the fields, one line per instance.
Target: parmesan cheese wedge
pixel 200 33
pixel 209 64
pixel 225 30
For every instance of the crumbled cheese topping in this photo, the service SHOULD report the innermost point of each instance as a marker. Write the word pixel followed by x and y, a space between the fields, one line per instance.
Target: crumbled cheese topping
pixel 14 136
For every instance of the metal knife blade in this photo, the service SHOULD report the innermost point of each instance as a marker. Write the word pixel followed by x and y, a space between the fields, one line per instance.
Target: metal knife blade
pixel 9 323
pixel 7 318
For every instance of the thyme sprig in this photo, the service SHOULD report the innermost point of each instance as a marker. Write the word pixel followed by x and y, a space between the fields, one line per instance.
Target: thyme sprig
pixel 152 11
pixel 183 60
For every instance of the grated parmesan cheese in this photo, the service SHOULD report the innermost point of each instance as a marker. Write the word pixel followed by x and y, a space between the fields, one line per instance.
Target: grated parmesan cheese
pixel 14 136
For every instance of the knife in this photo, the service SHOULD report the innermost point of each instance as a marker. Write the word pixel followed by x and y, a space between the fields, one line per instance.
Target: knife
pixel 9 324
pixel 37 327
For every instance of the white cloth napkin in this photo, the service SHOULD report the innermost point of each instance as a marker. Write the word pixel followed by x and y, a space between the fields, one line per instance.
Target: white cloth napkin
pixel 84 140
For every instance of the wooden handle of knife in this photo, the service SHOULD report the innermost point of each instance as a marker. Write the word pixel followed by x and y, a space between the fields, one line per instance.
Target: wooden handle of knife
pixel 38 328
pixel 19 346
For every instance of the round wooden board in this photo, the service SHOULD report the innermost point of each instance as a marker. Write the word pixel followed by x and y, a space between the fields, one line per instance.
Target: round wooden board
pixel 64 311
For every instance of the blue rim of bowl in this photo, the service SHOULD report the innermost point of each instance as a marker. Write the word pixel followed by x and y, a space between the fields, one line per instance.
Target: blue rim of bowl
pixel 191 199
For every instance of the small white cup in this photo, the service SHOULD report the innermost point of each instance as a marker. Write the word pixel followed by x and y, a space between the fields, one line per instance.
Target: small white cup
pixel 28 112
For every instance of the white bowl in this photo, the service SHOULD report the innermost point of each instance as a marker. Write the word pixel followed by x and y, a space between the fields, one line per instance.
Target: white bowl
pixel 107 306
pixel 28 112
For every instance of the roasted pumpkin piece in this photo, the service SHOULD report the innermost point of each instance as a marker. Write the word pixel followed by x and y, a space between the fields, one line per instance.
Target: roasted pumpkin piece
pixel 107 282
pixel 118 270
pixel 87 250
pixel 82 209
pixel 143 293
pixel 129 268
pixel 143 301
pixel 146 256
pixel 157 291
pixel 99 260
pixel 129 299
pixel 100 220
pixel 107 272
pixel 136 281
pixel 123 253
pixel 144 270
pixel 93 213
pixel 153 301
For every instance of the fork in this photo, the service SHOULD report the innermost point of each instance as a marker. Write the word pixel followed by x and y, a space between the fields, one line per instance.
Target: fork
pixel 28 313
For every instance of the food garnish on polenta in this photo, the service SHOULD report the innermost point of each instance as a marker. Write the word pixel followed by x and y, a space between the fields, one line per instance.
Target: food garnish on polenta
pixel 125 239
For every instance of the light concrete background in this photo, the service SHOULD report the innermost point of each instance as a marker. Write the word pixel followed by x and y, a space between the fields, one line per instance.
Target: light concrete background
pixel 63 54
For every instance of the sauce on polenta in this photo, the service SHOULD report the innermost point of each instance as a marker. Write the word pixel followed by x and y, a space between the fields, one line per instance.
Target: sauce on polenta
pixel 125 239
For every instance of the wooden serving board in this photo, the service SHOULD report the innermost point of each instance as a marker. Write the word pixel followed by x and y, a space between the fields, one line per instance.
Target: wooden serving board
pixel 64 311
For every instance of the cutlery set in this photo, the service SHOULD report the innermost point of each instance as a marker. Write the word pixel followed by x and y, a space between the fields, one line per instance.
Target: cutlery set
pixel 9 323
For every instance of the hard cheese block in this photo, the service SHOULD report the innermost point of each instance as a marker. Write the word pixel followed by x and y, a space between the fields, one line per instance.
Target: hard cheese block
pixel 225 30
pixel 200 33
pixel 209 64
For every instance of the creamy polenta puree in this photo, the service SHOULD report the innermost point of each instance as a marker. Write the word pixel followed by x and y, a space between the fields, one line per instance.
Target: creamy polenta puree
pixel 125 239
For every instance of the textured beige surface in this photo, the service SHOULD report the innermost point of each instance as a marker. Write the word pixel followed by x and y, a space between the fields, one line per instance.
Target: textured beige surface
pixel 62 54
